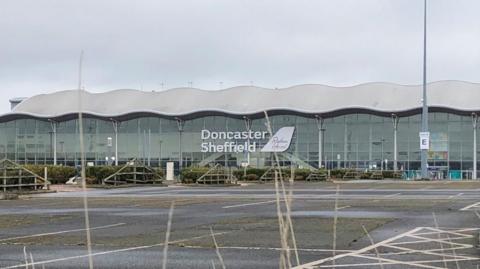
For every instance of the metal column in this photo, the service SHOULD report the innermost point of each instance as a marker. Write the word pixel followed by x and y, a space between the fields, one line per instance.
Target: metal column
pixel 345 143
pixel 115 130
pixel 321 129
pixel 424 99
pixel 395 149
pixel 180 124
pixel 474 124
pixel 54 130
pixel 248 126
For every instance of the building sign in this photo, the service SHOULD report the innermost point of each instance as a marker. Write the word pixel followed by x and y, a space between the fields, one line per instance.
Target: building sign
pixel 424 140
pixel 246 141
pixel 280 142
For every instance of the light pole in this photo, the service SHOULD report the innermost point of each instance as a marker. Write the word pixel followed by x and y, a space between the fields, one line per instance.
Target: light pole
pixel 424 99
pixel 474 123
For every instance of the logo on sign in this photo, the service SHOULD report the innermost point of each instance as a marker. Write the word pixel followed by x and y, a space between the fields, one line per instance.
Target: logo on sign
pixel 280 141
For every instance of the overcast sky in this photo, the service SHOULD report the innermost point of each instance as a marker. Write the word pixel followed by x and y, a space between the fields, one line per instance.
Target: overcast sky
pixel 224 43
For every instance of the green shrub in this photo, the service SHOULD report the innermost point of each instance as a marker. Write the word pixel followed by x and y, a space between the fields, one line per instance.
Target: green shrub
pixel 61 174
pixel 191 174
pixel 302 174
pixel 251 177
pixel 56 174
pixel 98 173
pixel 159 171
pixel 391 174
pixel 366 175
pixel 337 173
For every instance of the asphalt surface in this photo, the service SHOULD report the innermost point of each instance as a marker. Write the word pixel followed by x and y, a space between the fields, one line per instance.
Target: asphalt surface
pixel 411 226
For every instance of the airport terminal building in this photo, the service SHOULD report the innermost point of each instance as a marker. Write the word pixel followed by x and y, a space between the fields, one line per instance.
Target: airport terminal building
pixel 368 126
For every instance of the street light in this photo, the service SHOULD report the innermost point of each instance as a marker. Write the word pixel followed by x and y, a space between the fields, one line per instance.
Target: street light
pixel 424 100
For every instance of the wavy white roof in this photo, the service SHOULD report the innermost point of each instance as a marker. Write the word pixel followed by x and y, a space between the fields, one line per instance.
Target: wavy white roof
pixel 248 100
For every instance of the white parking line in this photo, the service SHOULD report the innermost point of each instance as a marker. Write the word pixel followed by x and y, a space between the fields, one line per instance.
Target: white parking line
pixel 422 235
pixel 60 232
pixel 249 204
pixel 23 265
pixel 392 195
pixel 272 248
pixel 472 206
pixel 454 196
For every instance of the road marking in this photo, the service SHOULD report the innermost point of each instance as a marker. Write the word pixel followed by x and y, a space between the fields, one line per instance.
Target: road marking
pixel 40 205
pixel 249 204
pixel 392 195
pixel 109 252
pixel 60 232
pixel 454 196
pixel 474 206
pixel 422 235
pixel 271 248
pixel 343 207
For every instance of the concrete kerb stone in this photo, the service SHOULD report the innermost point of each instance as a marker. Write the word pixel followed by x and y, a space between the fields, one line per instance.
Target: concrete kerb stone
pixel 8 196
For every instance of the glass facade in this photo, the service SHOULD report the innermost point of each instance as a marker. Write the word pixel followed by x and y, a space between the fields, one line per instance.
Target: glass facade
pixel 356 141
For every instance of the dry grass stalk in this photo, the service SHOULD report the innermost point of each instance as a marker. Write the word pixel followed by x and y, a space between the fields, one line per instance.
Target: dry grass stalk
pixel 373 243
pixel 167 235
pixel 217 250
pixel 284 257
pixel 285 221
pixel 82 158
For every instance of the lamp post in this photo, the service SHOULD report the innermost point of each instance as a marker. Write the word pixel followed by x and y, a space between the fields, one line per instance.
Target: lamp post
pixel 474 123
pixel 424 99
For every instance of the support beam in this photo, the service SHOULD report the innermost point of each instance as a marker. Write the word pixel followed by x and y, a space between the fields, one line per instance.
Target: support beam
pixel 345 143
pixel 149 146
pixel 180 125
pixel 54 142
pixel 474 125
pixel 395 148
pixel 321 130
pixel 248 126
pixel 115 130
